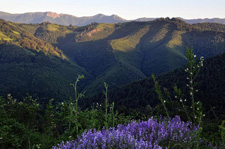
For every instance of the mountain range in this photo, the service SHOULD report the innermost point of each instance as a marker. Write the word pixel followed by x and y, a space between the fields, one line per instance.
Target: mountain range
pixel 66 19
pixel 61 19
pixel 43 59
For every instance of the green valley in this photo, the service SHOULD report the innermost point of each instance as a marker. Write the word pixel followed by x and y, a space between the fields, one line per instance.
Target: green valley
pixel 114 53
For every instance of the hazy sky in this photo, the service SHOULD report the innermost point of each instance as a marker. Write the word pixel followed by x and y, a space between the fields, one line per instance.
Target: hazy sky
pixel 128 9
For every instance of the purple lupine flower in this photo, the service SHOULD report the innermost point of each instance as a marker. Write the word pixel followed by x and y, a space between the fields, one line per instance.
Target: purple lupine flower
pixel 142 134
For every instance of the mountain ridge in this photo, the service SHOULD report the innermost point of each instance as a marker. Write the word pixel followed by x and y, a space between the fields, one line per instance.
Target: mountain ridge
pixel 61 19
pixel 67 19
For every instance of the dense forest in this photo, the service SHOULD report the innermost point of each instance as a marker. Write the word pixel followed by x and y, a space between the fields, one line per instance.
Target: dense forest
pixel 68 125
pixel 114 53
pixel 141 94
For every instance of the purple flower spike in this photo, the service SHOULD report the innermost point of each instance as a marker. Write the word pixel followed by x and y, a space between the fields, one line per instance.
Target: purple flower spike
pixel 150 134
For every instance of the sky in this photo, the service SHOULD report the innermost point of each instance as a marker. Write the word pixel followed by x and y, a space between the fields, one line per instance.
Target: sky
pixel 127 9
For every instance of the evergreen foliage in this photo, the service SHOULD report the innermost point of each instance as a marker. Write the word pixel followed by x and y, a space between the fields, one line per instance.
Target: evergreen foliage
pixel 114 53
pixel 45 125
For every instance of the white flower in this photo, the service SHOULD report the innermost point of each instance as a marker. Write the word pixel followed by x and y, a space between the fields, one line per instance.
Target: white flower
pixel 194 55
pixel 180 100
pixel 185 100
pixel 175 96
pixel 164 101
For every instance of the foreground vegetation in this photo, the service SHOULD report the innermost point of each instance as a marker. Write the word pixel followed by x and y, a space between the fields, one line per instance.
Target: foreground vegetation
pixel 142 135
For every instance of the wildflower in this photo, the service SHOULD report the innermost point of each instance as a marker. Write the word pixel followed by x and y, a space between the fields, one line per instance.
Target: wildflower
pixel 180 100
pixel 133 135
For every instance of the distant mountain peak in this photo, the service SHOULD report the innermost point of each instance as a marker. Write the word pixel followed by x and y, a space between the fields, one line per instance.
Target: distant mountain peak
pixel 118 17
pixel 100 15
pixel 52 15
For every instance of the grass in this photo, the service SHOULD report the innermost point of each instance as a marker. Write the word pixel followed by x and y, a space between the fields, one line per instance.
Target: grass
pixel 4 37
pixel 161 34
pixel 105 26
pixel 97 32
pixel 31 28
pixel 176 39
pixel 53 27
pixel 130 42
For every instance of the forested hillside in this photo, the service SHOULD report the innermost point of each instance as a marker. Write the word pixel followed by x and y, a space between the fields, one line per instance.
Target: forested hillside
pixel 141 94
pixel 114 53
